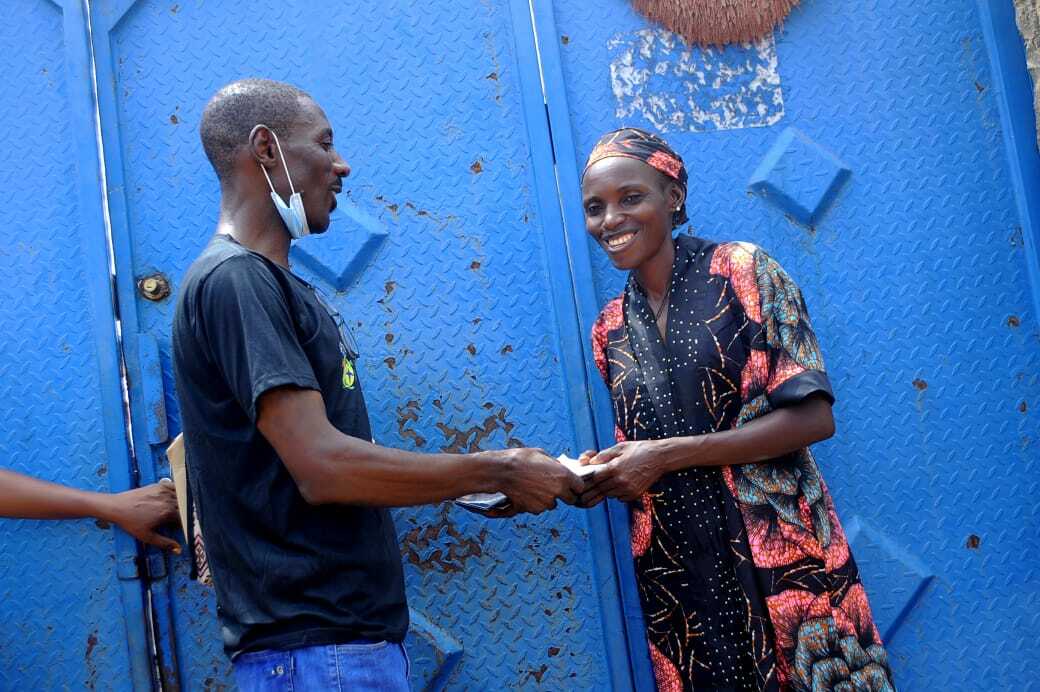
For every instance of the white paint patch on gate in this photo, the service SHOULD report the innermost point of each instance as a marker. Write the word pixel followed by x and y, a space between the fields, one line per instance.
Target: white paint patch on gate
pixel 680 88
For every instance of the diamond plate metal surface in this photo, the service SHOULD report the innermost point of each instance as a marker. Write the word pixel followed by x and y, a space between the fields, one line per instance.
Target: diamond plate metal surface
pixel 342 258
pixel 917 284
pixel 60 599
pixel 799 177
pixel 892 570
pixel 453 315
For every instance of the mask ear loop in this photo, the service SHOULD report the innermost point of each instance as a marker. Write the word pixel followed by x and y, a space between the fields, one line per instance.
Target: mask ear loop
pixel 292 190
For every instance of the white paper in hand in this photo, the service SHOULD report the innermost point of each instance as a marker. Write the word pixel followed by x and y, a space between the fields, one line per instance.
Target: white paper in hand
pixel 482 502
pixel 575 466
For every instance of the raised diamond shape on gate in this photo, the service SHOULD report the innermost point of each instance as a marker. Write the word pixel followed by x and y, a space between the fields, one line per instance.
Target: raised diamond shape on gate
pixel 434 653
pixel 340 256
pixel 800 177
pixel 896 580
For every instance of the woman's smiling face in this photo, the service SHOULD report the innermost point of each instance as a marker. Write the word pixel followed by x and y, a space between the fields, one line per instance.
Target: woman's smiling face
pixel 628 209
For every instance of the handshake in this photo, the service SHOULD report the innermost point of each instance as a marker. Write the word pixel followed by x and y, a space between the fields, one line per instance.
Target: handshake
pixel 531 481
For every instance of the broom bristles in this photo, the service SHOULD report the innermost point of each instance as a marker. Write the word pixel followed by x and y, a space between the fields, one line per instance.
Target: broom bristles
pixel 717 22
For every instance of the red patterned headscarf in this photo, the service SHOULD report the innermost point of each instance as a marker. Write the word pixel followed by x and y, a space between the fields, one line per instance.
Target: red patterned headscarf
pixel 633 143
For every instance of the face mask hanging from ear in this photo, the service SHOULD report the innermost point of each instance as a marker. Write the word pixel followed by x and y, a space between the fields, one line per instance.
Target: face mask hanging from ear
pixel 293 215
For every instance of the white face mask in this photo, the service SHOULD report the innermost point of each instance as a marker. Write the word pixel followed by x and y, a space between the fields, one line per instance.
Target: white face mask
pixel 293 215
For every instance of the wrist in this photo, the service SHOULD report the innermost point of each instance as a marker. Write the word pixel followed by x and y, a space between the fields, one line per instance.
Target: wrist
pixel 495 471
pixel 102 506
pixel 664 456
pixel 677 453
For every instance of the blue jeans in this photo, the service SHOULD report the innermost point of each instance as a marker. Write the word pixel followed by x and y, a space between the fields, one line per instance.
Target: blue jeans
pixel 363 665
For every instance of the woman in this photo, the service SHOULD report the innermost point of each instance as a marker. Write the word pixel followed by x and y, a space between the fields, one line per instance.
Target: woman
pixel 718 387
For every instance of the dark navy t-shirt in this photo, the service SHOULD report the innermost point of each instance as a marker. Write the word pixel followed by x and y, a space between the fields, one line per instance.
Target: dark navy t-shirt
pixel 287 573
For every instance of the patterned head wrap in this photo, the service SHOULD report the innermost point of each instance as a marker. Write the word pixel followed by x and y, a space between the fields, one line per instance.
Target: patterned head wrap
pixel 633 143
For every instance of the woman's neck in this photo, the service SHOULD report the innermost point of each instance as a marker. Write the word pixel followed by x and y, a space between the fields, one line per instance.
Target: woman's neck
pixel 656 272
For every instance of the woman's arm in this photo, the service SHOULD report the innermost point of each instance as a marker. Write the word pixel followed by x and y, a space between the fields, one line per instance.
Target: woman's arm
pixel 630 468
pixel 138 512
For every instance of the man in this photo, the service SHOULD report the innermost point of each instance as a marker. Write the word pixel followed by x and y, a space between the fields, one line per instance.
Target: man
pixel 139 512
pixel 290 492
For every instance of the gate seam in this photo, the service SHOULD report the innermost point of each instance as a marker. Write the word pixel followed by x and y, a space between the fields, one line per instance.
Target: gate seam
pixel 585 311
pixel 1007 59
pixel 573 355
pixel 126 348
pixel 83 98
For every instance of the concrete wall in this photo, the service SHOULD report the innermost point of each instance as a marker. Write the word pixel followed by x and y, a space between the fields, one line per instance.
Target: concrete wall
pixel 1027 12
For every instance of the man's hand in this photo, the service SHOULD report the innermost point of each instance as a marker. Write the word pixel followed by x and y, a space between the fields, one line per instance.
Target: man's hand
pixel 141 511
pixel 533 481
pixel 626 471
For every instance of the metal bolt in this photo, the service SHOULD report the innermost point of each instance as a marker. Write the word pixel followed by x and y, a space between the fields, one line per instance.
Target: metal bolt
pixel 154 287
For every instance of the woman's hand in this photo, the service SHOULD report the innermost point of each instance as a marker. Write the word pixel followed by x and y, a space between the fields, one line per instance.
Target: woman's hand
pixel 626 471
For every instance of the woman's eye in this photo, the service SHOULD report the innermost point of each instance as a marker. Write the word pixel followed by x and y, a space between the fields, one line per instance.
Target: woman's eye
pixel 592 210
pixel 632 199
pixel 327 146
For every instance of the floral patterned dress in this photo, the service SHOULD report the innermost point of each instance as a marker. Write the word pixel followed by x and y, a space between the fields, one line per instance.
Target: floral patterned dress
pixel 744 572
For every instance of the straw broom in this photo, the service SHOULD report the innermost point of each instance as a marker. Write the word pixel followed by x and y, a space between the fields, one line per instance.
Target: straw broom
pixel 717 22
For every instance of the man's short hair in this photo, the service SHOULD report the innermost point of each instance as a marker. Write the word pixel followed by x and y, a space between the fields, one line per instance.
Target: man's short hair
pixel 240 106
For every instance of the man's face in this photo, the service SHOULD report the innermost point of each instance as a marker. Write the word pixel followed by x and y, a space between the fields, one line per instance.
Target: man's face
pixel 315 166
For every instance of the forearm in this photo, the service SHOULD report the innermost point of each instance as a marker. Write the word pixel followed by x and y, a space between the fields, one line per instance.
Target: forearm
pixel 353 471
pixel 30 498
pixel 775 434
pixel 331 467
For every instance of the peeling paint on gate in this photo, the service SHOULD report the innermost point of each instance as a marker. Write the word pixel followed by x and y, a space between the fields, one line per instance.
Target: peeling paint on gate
pixel 441 546
pixel 675 88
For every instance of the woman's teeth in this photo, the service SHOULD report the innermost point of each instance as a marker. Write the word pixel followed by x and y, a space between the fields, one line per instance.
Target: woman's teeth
pixel 618 241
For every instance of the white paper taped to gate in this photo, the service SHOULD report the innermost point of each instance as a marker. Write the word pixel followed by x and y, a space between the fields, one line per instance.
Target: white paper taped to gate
pixel 677 88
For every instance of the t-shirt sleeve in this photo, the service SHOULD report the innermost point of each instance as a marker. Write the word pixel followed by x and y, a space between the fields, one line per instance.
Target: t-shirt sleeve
pixel 250 333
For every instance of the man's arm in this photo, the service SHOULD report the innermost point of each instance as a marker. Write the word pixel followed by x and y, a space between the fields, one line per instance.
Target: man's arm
pixel 138 512
pixel 330 467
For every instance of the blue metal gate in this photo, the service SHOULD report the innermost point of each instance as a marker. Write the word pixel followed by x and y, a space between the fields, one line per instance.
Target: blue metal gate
pixel 465 269
pixel 71 602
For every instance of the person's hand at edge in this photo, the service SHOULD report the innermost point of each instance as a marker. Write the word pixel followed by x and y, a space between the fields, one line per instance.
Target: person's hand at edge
pixel 142 510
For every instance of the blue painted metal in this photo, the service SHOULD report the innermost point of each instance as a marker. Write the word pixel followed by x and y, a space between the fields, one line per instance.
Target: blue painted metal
pixel 68 620
pixel 800 177
pixel 152 389
pixel 1014 93
pixel 433 653
pixel 917 280
pixel 893 570
pixel 178 604
pixel 455 314
pixel 341 260
pixel 571 337
pixel 577 253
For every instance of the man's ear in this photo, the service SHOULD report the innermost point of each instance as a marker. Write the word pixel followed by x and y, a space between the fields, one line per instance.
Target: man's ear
pixel 261 146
